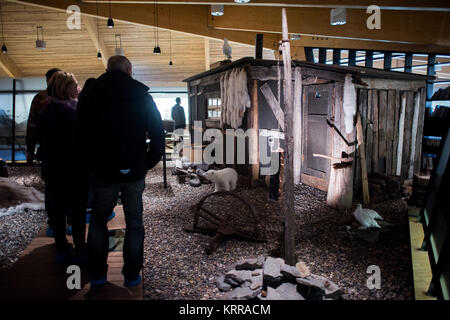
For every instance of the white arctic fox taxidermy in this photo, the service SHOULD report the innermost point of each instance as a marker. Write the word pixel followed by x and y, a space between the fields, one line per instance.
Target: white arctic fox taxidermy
pixel 222 180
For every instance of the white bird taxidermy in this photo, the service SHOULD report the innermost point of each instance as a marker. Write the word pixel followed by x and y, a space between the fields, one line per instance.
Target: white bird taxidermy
pixel 349 103
pixel 226 49
pixel 367 217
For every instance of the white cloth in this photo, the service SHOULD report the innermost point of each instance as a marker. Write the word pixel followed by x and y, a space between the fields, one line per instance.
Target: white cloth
pixel 234 96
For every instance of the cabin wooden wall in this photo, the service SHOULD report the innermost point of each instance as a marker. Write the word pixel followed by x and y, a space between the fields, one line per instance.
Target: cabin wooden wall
pixel 392 122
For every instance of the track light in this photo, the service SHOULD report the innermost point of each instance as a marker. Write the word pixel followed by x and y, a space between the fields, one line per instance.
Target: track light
pixel 99 55
pixel 4 49
pixel 338 16
pixel 110 23
pixel 157 50
pixel 217 10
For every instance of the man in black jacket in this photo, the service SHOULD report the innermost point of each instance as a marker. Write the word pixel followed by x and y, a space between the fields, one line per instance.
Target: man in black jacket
pixel 115 120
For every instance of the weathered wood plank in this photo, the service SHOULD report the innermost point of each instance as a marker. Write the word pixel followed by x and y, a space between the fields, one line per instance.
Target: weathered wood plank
pixel 360 137
pixel 362 109
pixel 390 129
pixel 409 113
pixel 414 137
pixel 418 158
pixel 375 129
pixel 297 113
pixel 288 196
pixel 253 123
pixel 382 110
pixel 369 131
pixel 397 110
pixel 273 103
pixel 401 132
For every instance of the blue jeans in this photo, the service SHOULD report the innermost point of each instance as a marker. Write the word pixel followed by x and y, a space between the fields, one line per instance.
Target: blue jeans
pixel 104 201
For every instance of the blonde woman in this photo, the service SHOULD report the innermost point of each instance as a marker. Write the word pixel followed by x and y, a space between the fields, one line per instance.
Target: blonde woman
pixel 55 131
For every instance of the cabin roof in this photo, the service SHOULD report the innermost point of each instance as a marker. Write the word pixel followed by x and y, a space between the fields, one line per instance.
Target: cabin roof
pixel 362 71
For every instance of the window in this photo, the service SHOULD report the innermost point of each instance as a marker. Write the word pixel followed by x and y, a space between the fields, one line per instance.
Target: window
pixel 214 108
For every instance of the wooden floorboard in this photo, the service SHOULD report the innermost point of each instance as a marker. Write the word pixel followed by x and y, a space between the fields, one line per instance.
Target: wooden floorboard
pixel 421 264
pixel 36 275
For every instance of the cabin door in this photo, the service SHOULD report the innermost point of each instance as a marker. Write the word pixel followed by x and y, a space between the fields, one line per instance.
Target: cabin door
pixel 316 133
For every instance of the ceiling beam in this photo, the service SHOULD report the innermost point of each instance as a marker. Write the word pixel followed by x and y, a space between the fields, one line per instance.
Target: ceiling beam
pixel 402 27
pixel 91 26
pixel 9 66
pixel 412 5
pixel 192 20
pixel 411 31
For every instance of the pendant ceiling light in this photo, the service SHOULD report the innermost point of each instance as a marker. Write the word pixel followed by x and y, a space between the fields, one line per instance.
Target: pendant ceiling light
pixel 40 43
pixel 170 40
pixel 99 54
pixel 110 23
pixel 217 10
pixel 242 1
pixel 4 49
pixel 156 49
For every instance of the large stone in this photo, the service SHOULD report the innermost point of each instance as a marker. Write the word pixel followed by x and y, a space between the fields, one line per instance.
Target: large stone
pixel 289 292
pixel 244 293
pixel 222 285
pixel 273 294
pixel 239 277
pixel 257 272
pixel 249 264
pixel 232 282
pixel 332 290
pixel 257 282
pixel 310 288
pixel 272 275
pixel 290 273
pixel 303 269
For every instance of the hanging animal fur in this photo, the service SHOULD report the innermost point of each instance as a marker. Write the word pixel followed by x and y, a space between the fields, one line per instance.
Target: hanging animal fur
pixel 349 103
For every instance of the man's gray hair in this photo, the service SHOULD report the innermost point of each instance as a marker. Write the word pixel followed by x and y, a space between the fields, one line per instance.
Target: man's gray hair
pixel 118 63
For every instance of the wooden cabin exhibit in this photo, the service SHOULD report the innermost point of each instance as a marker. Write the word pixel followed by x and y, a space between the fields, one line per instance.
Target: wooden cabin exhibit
pixel 391 106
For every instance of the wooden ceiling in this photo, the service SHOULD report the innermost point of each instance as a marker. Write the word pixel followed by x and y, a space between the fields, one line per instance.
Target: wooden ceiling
pixel 75 50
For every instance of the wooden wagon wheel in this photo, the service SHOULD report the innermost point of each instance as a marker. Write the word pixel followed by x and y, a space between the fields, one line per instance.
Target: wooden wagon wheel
pixel 216 214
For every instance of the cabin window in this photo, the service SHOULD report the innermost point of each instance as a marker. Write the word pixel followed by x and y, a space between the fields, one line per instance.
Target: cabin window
pixel 214 108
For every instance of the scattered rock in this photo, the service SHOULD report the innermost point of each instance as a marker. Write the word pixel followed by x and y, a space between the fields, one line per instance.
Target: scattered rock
pixel 239 276
pixel 332 291
pixel 288 291
pixel 257 282
pixel 303 269
pixel 290 273
pixel 310 288
pixel 222 285
pixel 243 293
pixel 257 272
pixel 250 264
pixel 272 274
pixel 273 294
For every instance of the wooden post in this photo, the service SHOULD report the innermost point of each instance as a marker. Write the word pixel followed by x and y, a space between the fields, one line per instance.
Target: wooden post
pixel 259 46
pixel 297 130
pixel 288 196
pixel 362 159
pixel 253 123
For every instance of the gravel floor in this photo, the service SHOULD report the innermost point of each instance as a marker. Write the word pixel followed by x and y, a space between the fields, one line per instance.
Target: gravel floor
pixel 19 229
pixel 176 266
